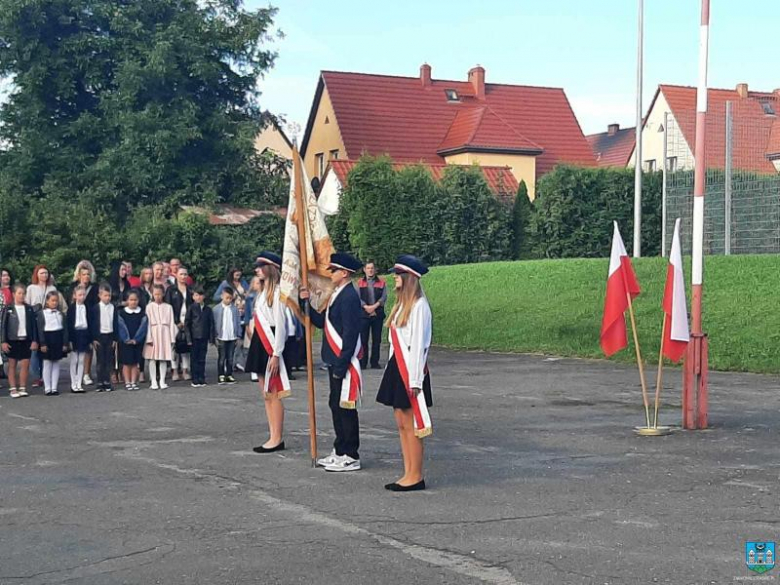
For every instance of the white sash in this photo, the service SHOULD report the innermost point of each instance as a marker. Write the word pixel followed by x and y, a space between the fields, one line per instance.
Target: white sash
pixel 422 418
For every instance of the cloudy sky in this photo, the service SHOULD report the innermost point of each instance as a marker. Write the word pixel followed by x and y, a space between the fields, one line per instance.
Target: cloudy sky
pixel 588 47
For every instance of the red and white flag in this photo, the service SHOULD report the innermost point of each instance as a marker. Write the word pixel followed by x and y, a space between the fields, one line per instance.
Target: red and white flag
pixel 621 282
pixel 676 334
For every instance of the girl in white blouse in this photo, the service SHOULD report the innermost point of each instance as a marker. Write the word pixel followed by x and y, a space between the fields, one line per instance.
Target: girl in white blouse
pixel 406 384
pixel 80 338
pixel 53 334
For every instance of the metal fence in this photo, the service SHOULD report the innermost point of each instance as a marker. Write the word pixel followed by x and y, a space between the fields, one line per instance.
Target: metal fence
pixel 742 201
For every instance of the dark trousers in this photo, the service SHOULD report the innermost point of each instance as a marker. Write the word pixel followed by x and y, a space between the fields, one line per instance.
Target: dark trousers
pixel 225 351
pixel 198 360
pixel 105 358
pixel 345 421
pixel 372 326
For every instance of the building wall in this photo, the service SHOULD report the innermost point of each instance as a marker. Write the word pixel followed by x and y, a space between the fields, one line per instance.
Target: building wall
pixel 324 139
pixel 523 167
pixel 271 138
pixel 653 140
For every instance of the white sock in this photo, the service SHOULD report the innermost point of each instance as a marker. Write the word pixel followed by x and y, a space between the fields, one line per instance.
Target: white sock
pixel 47 376
pixel 163 371
pixel 55 375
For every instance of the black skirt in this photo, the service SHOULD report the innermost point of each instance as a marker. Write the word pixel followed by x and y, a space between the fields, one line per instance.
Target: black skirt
pixel 257 357
pixel 130 355
pixel 19 350
pixel 53 342
pixel 82 340
pixel 392 391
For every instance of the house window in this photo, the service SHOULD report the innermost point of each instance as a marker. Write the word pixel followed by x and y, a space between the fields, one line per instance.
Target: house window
pixel 334 155
pixel 650 165
pixel 320 158
pixel 452 95
pixel 671 164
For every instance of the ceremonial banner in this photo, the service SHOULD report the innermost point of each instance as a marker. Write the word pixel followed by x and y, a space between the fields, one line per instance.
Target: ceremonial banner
pixel 621 283
pixel 319 246
pixel 676 334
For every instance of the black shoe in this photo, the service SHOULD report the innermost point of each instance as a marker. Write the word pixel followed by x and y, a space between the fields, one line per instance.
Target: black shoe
pixel 261 449
pixel 55 392
pixel 230 380
pixel 394 487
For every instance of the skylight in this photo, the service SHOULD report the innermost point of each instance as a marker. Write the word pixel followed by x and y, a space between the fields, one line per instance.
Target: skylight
pixel 452 95
pixel 768 109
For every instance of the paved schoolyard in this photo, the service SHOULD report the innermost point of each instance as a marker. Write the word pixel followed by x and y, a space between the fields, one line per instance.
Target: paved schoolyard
pixel 534 475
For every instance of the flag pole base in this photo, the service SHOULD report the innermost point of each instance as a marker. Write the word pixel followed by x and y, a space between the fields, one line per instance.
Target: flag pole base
pixel 653 431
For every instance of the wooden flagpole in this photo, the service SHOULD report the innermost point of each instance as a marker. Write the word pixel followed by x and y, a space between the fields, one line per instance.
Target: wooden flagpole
pixel 659 379
pixel 639 359
pixel 303 249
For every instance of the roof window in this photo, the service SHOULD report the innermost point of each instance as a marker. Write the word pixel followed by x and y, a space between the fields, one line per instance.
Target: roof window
pixel 768 109
pixel 452 95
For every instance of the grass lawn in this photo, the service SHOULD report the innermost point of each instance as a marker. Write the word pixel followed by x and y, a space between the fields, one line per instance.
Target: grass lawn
pixel 555 307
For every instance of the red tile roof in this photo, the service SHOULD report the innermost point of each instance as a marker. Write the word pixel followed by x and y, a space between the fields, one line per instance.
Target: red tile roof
pixel 752 126
pixel 398 116
pixel 500 179
pixel 613 150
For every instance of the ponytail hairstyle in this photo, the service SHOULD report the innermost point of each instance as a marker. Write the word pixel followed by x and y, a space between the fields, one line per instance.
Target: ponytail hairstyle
pixel 405 299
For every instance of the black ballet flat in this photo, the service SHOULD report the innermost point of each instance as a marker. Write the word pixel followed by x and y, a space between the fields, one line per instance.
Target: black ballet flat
pixel 417 487
pixel 261 449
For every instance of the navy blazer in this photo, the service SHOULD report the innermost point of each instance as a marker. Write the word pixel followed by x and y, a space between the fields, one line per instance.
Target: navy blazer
pixel 94 322
pixel 345 315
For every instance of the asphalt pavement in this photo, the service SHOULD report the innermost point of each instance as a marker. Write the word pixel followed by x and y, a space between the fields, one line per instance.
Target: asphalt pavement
pixel 534 477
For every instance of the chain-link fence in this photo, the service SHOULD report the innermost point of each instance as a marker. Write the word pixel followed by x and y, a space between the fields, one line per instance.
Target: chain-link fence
pixel 742 201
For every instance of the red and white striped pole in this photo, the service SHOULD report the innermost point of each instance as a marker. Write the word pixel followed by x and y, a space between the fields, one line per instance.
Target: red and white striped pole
pixel 695 381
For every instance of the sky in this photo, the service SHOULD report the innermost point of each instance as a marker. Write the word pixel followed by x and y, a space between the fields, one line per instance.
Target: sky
pixel 587 47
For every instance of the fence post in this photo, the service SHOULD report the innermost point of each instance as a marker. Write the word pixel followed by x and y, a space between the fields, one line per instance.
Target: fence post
pixel 663 186
pixel 729 164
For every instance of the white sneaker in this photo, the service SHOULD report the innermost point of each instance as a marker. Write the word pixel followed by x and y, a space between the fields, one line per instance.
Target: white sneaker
pixel 87 380
pixel 253 376
pixel 344 463
pixel 329 460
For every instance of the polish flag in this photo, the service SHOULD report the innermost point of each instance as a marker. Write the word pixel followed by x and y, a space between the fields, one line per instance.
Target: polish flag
pixel 620 283
pixel 676 333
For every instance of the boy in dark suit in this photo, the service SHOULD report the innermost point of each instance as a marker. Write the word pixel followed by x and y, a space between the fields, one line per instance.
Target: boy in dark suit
pixel 104 325
pixel 199 325
pixel 342 323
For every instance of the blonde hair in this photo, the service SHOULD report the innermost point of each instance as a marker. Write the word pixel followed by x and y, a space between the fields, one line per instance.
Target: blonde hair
pixel 272 278
pixel 405 299
pixel 84 265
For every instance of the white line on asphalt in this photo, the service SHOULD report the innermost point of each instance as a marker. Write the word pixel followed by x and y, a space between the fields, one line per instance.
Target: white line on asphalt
pixel 455 562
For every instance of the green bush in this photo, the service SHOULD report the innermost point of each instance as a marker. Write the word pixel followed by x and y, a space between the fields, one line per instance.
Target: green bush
pixel 384 213
pixel 575 207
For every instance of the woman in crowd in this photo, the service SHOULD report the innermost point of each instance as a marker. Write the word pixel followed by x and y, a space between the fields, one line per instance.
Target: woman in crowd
pixel 6 282
pixel 41 284
pixel 158 269
pixel 406 384
pixel 86 277
pixel 120 287
pixel 145 288
pixel 179 297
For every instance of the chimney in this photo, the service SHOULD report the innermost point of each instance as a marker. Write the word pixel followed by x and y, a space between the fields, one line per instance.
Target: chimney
pixel 612 129
pixel 742 90
pixel 425 75
pixel 477 81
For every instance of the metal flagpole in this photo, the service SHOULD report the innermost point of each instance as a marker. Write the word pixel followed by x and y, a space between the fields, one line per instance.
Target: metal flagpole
pixel 695 382
pixel 638 147
pixel 300 209
pixel 663 186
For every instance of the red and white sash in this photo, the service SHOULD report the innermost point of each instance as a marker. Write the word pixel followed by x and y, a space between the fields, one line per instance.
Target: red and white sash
pixel 352 385
pixel 280 383
pixel 422 418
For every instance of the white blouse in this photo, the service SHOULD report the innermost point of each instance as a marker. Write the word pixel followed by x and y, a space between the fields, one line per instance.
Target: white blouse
pixel 21 313
pixel 36 294
pixel 53 320
pixel 275 316
pixel 81 317
pixel 416 335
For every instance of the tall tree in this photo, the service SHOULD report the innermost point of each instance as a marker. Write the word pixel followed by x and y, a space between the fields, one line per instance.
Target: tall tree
pixel 131 102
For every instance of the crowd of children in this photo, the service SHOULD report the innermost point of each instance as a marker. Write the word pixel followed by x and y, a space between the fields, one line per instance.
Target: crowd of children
pixel 156 322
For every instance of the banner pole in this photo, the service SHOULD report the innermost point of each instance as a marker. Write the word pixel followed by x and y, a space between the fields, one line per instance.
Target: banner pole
pixel 639 360
pixel 659 379
pixel 303 251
